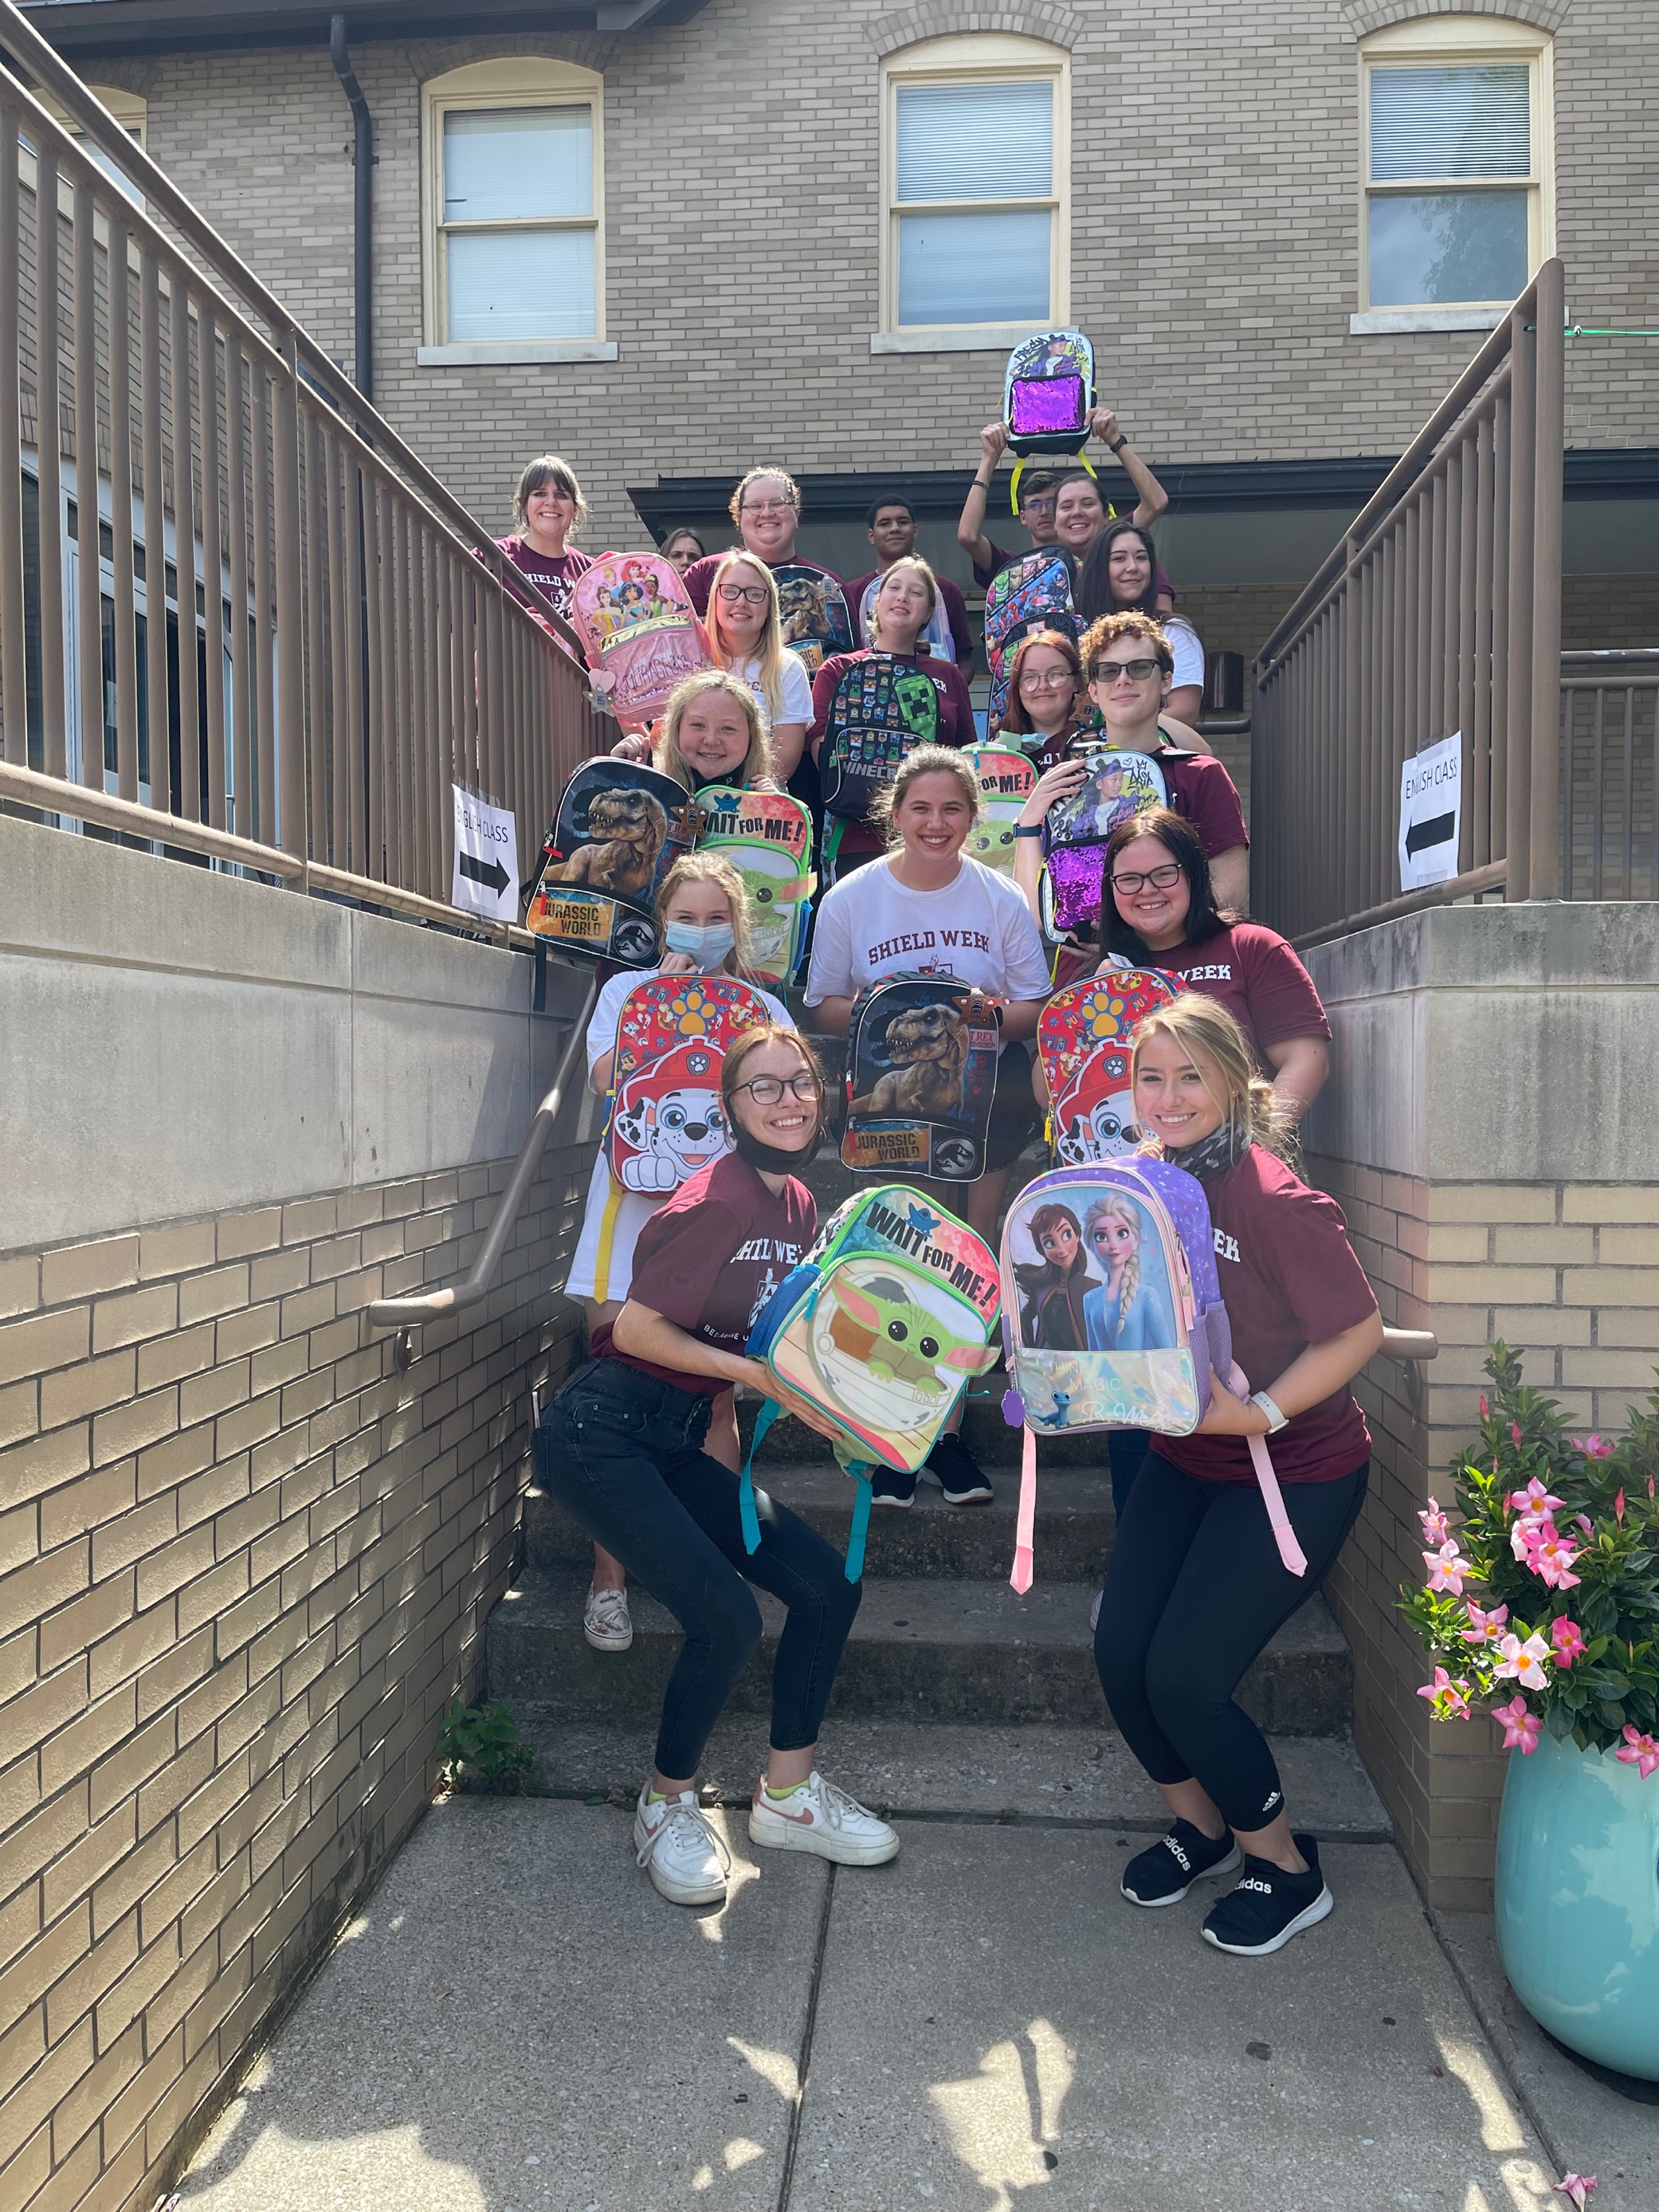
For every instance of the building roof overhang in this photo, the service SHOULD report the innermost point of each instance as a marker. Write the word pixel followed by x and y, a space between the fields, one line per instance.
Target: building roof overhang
pixel 133 27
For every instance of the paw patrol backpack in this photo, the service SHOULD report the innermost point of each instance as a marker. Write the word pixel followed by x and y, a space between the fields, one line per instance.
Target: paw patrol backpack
pixel 1007 779
pixel 919 1079
pixel 666 1118
pixel 620 827
pixel 768 837
pixel 881 1327
pixel 1115 785
pixel 882 710
pixel 1047 396
pixel 1037 592
pixel 1112 1317
pixel 813 610
pixel 640 632
pixel 1083 1041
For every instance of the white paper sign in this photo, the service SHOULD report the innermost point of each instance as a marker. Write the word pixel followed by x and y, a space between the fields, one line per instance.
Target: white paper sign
pixel 486 859
pixel 1431 811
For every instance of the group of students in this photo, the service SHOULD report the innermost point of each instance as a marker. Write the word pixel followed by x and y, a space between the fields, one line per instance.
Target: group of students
pixel 641 1444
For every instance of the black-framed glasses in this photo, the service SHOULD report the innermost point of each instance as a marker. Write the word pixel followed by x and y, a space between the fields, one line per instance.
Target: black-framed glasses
pixel 1161 879
pixel 767 1089
pixel 756 594
pixel 1107 671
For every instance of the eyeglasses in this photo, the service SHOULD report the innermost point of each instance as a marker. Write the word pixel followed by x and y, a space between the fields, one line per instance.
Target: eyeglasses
pixel 756 594
pixel 1107 671
pixel 1052 679
pixel 767 506
pixel 1038 506
pixel 1160 879
pixel 767 1089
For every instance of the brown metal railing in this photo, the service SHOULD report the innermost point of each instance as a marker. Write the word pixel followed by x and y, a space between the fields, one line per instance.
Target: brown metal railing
pixel 1440 611
pixel 1609 822
pixel 239 616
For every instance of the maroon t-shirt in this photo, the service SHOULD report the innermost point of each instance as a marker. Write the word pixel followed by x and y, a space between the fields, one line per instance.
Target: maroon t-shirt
pixel 700 577
pixel 954 606
pixel 1200 788
pixel 554 575
pixel 710 1257
pixel 1289 1279
pixel 1259 980
pixel 955 718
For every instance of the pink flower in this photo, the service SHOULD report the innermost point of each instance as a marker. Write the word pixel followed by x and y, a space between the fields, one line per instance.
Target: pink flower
pixel 1484 1627
pixel 1577 2186
pixel 1551 1556
pixel 1525 1663
pixel 1619 1509
pixel 1585 1523
pixel 1592 1447
pixel 1522 1726
pixel 1434 1523
pixel 1447 1568
pixel 1451 1699
pixel 1568 1638
pixel 1534 1500
pixel 1515 1432
pixel 1485 1409
pixel 1639 1750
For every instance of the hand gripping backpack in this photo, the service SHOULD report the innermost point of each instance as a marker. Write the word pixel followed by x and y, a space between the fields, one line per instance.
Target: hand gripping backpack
pixel 813 610
pixel 1116 785
pixel 1007 779
pixel 640 633
pixel 881 1327
pixel 1084 1356
pixel 1037 592
pixel 1083 1041
pixel 620 827
pixel 919 1079
pixel 666 1119
pixel 1047 396
pixel 768 837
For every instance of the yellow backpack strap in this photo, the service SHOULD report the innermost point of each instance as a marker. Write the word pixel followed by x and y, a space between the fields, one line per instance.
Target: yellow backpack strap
pixel 1013 485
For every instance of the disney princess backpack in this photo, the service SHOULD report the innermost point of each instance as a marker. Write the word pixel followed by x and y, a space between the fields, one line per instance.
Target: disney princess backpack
pixel 768 837
pixel 640 632
pixel 666 1120
pixel 1083 1040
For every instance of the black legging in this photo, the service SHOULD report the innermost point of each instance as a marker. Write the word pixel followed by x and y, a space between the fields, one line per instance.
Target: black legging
pixel 1195 1590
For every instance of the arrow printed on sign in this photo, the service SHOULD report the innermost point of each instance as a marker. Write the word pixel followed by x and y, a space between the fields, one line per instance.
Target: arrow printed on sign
pixel 1422 835
pixel 490 874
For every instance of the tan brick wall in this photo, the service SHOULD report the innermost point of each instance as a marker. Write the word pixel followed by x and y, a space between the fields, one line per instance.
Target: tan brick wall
pixel 245 1562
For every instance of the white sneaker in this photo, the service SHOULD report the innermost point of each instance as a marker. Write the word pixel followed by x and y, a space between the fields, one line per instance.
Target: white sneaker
pixel 605 1621
pixel 824 1820
pixel 686 1860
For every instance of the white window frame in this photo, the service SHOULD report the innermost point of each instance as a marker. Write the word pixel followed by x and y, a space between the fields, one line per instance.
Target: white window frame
pixel 987 57
pixel 1435 42
pixel 512 81
pixel 129 109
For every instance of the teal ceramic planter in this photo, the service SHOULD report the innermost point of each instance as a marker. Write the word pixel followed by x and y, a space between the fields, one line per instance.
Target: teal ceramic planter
pixel 1577 1901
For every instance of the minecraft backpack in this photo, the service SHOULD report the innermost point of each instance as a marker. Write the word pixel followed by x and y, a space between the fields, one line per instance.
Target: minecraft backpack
pixel 1007 780
pixel 1112 1317
pixel 813 610
pixel 668 1120
pixel 881 1326
pixel 1115 785
pixel 1036 592
pixel 619 829
pixel 882 708
pixel 920 1080
pixel 1048 393
pixel 640 632
pixel 768 837
pixel 1083 1040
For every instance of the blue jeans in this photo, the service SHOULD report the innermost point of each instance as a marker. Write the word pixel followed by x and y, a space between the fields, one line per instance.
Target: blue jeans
pixel 621 1452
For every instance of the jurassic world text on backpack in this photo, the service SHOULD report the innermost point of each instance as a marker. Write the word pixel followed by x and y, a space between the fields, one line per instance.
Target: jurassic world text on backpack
pixel 812 609
pixel 882 710
pixel 768 837
pixel 1115 785
pixel 1007 780
pixel 640 632
pixel 882 1326
pixel 666 1118
pixel 1112 1317
pixel 922 1071
pixel 1083 1039
pixel 1037 592
pixel 619 829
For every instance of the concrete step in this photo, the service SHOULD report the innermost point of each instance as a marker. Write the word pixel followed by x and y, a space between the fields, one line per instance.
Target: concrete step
pixel 922 1649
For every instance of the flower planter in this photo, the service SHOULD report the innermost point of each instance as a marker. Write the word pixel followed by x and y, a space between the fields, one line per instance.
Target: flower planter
pixel 1577 1901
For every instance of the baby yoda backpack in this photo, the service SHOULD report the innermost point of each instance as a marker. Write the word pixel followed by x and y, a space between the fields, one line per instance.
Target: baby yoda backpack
pixel 1037 592
pixel 1005 779
pixel 1083 1041
pixel 620 827
pixel 881 1327
pixel 919 1079
pixel 882 710
pixel 667 1120
pixel 1047 396
pixel 1112 1317
pixel 768 837
pixel 640 633
pixel 812 608
pixel 1116 785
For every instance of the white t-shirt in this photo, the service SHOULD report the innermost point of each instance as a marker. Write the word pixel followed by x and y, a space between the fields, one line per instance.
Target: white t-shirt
pixel 1188 648
pixel 797 686
pixel 978 929
pixel 603 1264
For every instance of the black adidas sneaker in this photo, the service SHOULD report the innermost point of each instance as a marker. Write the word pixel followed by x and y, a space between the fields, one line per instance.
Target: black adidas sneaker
pixel 1267 1906
pixel 1164 1874
pixel 957 1473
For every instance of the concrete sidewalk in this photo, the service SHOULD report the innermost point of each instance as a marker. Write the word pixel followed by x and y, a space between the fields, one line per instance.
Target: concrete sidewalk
pixel 518 2023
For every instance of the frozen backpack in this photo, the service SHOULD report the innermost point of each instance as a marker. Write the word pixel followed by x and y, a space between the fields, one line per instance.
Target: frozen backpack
pixel 667 1120
pixel 1037 592
pixel 1115 785
pixel 1112 1317
pixel 1007 779
pixel 640 632
pixel 620 827
pixel 1047 396
pixel 768 837
pixel 881 1327
pixel 813 610
pixel 919 1079
pixel 1083 1041
pixel 882 708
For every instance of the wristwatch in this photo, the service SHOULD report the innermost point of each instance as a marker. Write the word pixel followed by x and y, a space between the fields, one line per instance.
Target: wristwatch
pixel 1276 1421
pixel 1028 828
pixel 1117 445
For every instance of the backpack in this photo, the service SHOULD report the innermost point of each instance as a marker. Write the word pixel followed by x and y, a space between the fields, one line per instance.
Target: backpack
pixel 768 837
pixel 666 1120
pixel 882 710
pixel 1007 779
pixel 1048 392
pixel 919 1081
pixel 1083 1044
pixel 640 633
pixel 813 610
pixel 1076 1363
pixel 1074 834
pixel 1036 592
pixel 881 1327
pixel 619 829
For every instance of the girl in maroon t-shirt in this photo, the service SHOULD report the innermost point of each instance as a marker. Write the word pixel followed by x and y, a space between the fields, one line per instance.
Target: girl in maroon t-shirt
pixel 1196 1586
pixel 548 508
pixel 621 1449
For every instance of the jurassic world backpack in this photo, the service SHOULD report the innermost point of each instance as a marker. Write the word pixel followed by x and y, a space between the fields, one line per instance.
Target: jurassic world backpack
pixel 667 1120
pixel 1115 785
pixel 882 710
pixel 881 1327
pixel 919 1079
pixel 1047 396
pixel 620 827
pixel 1112 1317
pixel 768 837
pixel 1037 592
pixel 1083 1040
pixel 640 633
pixel 813 610
pixel 1007 780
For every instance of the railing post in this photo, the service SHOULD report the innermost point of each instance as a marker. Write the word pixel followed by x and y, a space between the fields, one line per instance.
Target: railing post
pixel 1524 458
pixel 290 693
pixel 13 691
pixel 1544 873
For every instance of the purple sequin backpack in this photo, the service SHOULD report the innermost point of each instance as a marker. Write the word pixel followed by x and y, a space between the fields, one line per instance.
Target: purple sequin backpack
pixel 1115 785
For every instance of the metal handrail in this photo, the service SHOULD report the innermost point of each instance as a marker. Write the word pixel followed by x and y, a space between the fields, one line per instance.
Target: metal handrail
pixel 1409 1343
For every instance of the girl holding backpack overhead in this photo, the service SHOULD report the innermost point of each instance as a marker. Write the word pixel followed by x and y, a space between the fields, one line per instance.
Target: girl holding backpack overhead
pixel 1197 1585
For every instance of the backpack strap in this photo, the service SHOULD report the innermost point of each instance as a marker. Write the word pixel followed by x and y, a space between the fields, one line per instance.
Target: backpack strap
pixel 861 1470
pixel 1021 1577
pixel 1295 1558
pixel 746 1512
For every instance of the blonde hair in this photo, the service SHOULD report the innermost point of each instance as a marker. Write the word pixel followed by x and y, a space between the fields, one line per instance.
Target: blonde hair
pixel 926 760
pixel 791 488
pixel 905 560
pixel 1120 1207
pixel 712 868
pixel 768 647
pixel 755 763
pixel 1203 1029
pixel 548 469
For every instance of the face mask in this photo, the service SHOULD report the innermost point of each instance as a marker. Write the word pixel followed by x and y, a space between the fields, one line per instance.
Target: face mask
pixel 709 943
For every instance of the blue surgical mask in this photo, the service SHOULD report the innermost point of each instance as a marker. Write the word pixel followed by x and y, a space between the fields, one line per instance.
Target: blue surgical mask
pixel 707 944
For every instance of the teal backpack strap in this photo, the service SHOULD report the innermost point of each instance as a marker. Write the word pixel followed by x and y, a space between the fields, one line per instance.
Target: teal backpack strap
pixel 860 1470
pixel 750 1517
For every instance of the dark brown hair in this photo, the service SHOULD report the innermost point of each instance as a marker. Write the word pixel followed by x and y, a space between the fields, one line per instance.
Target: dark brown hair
pixel 1094 584
pixel 1182 843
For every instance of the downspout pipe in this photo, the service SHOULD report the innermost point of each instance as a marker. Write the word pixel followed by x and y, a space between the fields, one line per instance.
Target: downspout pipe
pixel 363 208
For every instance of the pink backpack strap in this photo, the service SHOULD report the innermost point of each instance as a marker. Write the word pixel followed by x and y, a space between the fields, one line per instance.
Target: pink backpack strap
pixel 1021 1576
pixel 1295 1558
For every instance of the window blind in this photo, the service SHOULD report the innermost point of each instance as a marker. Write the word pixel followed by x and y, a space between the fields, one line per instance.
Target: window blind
pixel 504 162
pixel 985 268
pixel 520 284
pixel 976 142
pixel 1459 121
